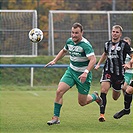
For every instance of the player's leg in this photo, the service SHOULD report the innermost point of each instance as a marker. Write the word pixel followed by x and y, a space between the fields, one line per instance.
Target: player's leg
pixel 84 99
pixel 127 102
pixel 62 88
pixel 130 88
pixel 104 90
pixel 116 94
pixel 65 83
pixel 117 83
pixel 127 78
pixel 128 98
pixel 124 87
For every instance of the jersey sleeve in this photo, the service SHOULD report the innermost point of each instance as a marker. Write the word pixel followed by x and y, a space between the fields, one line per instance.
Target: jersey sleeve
pixel 89 50
pixel 66 46
pixel 106 47
pixel 128 49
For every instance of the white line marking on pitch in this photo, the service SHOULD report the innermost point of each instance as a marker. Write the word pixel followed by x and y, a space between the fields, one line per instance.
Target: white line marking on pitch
pixel 34 93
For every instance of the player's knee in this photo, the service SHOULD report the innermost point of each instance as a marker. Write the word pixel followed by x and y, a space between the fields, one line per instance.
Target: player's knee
pixel 129 90
pixel 103 90
pixel 81 103
pixel 115 98
pixel 59 92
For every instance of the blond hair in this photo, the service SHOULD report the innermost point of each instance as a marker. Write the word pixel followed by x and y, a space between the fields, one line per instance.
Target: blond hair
pixel 118 27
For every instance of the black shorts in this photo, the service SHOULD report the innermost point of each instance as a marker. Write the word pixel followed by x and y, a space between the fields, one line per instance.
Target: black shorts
pixel 116 81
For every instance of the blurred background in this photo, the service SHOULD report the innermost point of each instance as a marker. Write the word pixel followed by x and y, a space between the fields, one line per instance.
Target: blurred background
pixel 14 27
pixel 54 18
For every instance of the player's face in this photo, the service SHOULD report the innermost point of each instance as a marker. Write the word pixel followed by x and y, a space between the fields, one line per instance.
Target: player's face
pixel 116 34
pixel 76 34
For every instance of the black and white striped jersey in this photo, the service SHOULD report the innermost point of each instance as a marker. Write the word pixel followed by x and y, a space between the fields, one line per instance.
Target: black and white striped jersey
pixel 116 55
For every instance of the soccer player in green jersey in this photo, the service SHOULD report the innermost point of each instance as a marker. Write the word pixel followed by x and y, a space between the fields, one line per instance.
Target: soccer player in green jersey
pixel 128 72
pixel 82 61
pixel 127 87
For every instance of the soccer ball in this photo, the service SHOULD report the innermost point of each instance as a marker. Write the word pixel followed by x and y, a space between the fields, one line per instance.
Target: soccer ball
pixel 35 35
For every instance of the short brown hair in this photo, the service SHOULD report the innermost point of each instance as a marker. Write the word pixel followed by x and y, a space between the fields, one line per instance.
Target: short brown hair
pixel 76 25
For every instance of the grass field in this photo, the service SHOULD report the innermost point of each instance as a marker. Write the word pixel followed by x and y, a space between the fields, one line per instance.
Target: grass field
pixel 28 112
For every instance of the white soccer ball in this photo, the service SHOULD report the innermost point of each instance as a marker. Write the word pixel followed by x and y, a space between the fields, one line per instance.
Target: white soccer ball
pixel 36 35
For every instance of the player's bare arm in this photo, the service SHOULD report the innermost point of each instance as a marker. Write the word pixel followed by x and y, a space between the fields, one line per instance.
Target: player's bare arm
pixel 60 55
pixel 129 64
pixel 102 59
pixel 91 64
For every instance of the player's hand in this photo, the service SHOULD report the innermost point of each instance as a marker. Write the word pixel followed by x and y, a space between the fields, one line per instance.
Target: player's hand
pixel 96 67
pixel 127 66
pixel 83 77
pixel 50 63
pixel 131 63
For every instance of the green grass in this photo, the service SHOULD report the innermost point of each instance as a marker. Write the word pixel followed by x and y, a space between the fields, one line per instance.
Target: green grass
pixel 28 112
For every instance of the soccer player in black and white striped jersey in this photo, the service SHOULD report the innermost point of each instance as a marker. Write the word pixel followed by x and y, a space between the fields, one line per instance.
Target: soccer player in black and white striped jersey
pixel 114 55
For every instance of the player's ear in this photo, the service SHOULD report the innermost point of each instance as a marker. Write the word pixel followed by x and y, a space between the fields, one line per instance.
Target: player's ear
pixel 120 34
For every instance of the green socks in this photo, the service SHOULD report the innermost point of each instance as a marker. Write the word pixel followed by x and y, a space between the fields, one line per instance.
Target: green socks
pixel 57 108
pixel 93 97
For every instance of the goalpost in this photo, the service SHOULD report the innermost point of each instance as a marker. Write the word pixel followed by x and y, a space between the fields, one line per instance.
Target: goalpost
pixel 14 28
pixel 97 27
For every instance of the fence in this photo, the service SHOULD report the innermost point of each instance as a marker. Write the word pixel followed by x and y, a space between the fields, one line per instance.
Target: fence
pixel 14 28
pixel 15 25
pixel 97 27
pixel 32 66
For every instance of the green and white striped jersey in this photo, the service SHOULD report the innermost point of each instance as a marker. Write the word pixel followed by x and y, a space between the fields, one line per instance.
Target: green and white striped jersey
pixel 79 54
pixel 128 58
